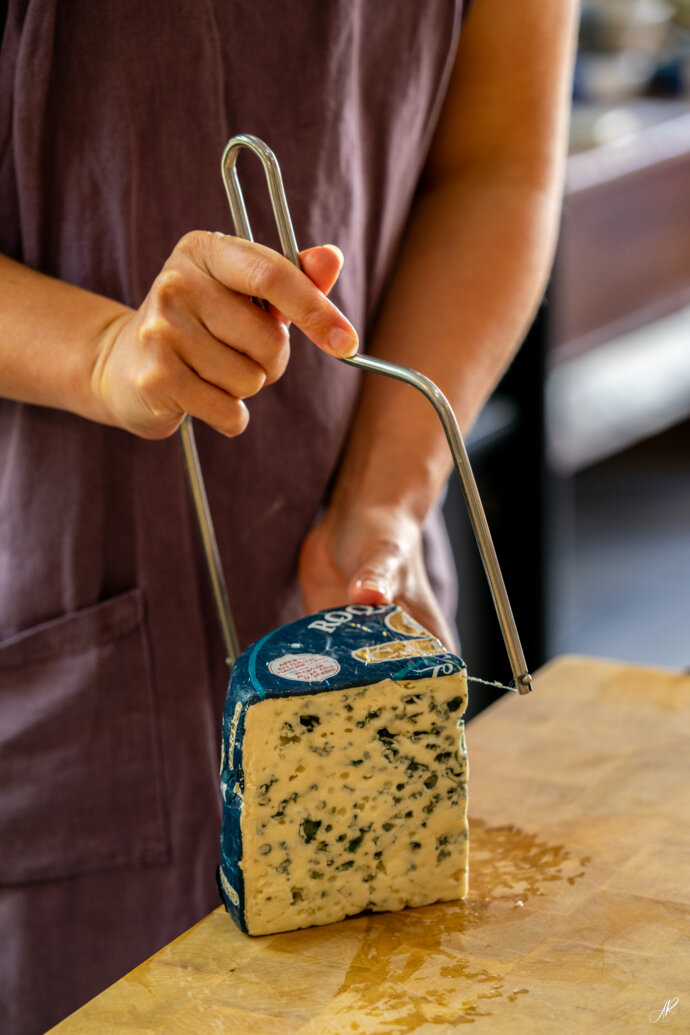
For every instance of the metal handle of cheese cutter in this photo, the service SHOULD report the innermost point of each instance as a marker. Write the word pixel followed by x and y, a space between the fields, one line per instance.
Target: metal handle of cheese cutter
pixel 523 680
pixel 208 540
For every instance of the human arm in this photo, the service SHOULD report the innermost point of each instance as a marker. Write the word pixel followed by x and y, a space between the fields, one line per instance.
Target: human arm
pixel 196 345
pixel 470 274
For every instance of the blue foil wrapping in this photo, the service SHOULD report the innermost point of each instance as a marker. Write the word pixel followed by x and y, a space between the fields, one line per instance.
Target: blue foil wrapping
pixel 352 646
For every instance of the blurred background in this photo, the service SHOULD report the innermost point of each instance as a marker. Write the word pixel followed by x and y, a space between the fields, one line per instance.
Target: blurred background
pixel 582 456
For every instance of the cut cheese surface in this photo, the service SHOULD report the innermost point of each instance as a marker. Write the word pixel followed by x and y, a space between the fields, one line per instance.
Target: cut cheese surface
pixel 344 772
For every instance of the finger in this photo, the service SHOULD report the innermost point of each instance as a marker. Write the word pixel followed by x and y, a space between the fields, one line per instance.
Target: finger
pixel 183 299
pixel 322 265
pixel 227 415
pixel 226 368
pixel 171 350
pixel 233 415
pixel 260 272
pixel 168 393
pixel 378 581
pixel 237 325
pixel 382 580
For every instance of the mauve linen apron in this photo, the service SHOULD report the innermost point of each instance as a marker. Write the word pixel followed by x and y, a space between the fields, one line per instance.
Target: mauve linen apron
pixel 113 117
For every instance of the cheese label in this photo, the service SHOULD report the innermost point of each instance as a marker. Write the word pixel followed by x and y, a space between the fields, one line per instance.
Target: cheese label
pixel 304 668
pixel 399 621
pixel 343 644
pixel 397 649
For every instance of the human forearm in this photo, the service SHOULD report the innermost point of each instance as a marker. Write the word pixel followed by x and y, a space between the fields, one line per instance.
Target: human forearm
pixel 471 272
pixel 477 249
pixel 472 267
pixel 50 331
pixel 458 322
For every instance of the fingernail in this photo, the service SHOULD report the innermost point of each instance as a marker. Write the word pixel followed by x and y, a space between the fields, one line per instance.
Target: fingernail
pixel 380 587
pixel 342 342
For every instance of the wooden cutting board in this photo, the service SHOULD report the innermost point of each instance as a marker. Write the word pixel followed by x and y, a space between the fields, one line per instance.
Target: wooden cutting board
pixel 578 917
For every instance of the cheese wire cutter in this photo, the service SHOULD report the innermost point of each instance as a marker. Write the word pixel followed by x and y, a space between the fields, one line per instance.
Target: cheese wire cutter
pixel 276 190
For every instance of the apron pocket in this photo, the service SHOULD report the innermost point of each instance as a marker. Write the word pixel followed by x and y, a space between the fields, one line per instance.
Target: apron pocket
pixel 80 769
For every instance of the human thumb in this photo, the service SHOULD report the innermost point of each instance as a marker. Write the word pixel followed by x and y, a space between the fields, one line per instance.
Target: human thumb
pixel 376 581
pixel 322 265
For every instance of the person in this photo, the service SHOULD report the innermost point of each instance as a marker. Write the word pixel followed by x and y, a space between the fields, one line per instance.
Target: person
pixel 429 147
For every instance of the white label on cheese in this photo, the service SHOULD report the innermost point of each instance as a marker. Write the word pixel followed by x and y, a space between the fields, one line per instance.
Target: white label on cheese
pixel 233 731
pixel 304 668
pixel 229 890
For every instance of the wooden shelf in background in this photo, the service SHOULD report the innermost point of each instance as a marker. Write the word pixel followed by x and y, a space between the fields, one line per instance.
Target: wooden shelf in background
pixel 624 252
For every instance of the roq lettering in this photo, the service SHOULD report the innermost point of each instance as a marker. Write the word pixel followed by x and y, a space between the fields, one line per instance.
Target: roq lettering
pixel 332 619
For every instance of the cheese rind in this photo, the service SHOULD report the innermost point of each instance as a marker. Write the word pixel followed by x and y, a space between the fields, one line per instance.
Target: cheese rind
pixel 343 791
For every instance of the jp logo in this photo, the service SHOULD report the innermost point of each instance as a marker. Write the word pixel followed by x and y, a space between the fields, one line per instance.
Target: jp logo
pixel 665 1009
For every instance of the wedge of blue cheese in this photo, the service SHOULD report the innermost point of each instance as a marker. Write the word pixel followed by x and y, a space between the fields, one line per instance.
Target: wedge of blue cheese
pixel 343 772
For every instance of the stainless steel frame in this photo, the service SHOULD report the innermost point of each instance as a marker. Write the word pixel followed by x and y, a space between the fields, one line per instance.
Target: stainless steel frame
pixel 523 680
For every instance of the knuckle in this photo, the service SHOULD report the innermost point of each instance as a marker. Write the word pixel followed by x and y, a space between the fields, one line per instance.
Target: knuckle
pixel 156 367
pixel 262 274
pixel 190 243
pixel 168 287
pixel 276 351
pixel 155 336
pixel 253 380
pixel 149 382
pixel 282 337
pixel 314 318
pixel 235 418
pixel 152 378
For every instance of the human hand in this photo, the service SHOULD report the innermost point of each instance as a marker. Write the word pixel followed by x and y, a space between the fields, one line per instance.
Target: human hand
pixel 372 555
pixel 198 344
